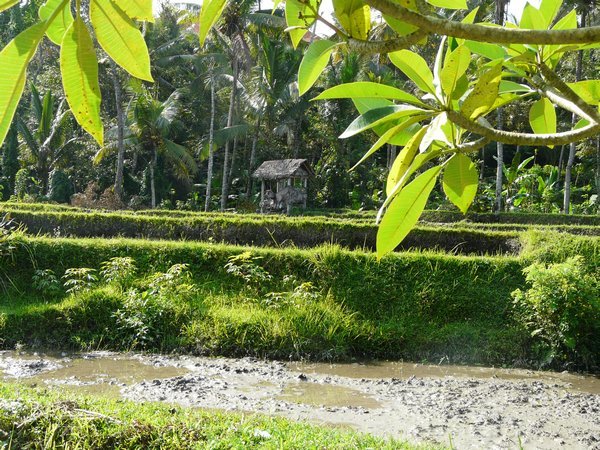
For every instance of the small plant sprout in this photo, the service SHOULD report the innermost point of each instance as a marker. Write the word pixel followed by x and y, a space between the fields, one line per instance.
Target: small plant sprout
pixel 118 270
pixel 46 282
pixel 79 279
pixel 246 267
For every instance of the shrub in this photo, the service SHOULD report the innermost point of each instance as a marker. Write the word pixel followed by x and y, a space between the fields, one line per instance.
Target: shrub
pixel 245 266
pixel 79 279
pixel 561 308
pixel 46 282
pixel 120 270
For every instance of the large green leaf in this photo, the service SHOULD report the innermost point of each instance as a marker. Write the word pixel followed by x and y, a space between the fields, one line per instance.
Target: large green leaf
pixel 415 68
pixel 58 27
pixel 14 59
pixel 404 160
pixel 210 13
pixel 138 9
pixel 313 64
pixel 8 4
pixel 455 67
pixel 404 211
pixel 378 116
pixel 387 137
pixel 440 129
pixel 542 117
pixel 489 51
pixel 460 181
pixel 366 89
pixel 296 15
pixel 120 38
pixel 549 10
pixel 449 4
pixel 79 69
pixel 354 16
pixel 532 18
pixel 588 90
pixel 483 96
pixel 400 27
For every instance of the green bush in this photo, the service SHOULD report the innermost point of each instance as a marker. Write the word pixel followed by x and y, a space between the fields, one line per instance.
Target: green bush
pixel 561 308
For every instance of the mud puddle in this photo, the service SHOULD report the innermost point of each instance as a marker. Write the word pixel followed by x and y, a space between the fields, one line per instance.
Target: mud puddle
pixel 475 407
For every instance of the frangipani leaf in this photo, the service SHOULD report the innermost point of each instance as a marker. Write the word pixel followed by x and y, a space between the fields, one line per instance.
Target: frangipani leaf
pixel 455 66
pixel 8 4
pixel 209 15
pixel 404 211
pixel 354 16
pixel 138 9
pixel 368 89
pixel 404 160
pixel 378 116
pixel 542 117
pixel 449 4
pixel 120 38
pixel 484 94
pixel 79 69
pixel 58 27
pixel 460 181
pixel 415 68
pixel 313 64
pixel 14 59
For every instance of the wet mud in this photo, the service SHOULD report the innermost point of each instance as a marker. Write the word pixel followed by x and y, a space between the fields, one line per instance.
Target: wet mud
pixel 472 407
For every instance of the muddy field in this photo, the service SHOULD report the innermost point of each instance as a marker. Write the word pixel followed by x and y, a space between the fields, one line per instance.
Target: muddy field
pixel 471 406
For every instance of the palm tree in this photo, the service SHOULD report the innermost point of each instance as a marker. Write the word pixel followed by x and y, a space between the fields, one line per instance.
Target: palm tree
pixel 150 125
pixel 44 132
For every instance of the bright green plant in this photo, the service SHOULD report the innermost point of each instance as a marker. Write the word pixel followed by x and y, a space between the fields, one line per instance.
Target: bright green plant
pixel 245 266
pixel 79 279
pixel 176 280
pixel 46 282
pixel 120 270
pixel 561 308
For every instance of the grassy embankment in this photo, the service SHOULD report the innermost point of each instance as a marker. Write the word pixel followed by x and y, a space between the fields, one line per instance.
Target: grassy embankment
pixel 416 306
pixel 35 418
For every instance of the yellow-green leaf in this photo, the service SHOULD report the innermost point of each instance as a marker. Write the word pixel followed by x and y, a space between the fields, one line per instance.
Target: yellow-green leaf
pixel 542 117
pixel 297 15
pixel 404 211
pixel 460 181
pixel 58 27
pixel 79 69
pixel 378 116
pixel 138 9
pixel 354 16
pixel 120 38
pixel 368 89
pixel 588 90
pixel 483 96
pixel 313 64
pixel 14 59
pixel 455 66
pixel 404 160
pixel 8 4
pixel 415 68
pixel 209 15
pixel 449 4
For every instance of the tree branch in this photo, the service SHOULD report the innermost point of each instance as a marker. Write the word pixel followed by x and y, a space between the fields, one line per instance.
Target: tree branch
pixel 386 46
pixel 512 138
pixel 481 33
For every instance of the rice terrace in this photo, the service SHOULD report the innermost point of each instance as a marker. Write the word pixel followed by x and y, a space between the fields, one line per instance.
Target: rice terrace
pixel 300 224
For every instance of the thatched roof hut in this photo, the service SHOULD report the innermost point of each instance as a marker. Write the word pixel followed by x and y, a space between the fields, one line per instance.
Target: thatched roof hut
pixel 282 169
pixel 286 173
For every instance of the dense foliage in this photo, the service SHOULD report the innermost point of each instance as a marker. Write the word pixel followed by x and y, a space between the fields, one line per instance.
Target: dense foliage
pixel 215 112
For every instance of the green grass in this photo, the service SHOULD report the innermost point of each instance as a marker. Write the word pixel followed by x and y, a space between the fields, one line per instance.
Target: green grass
pixel 38 418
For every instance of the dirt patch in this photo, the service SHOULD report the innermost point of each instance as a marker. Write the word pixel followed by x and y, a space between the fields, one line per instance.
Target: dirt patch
pixel 474 407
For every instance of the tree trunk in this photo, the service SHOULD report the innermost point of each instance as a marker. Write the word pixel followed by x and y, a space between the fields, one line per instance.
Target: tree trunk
pixel 120 133
pixel 253 158
pixel 211 143
pixel 573 147
pixel 152 184
pixel 500 13
pixel 225 184
pixel 232 163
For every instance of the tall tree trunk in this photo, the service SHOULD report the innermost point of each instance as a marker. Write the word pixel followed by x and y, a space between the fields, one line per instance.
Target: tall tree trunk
pixel 232 163
pixel 500 13
pixel 572 146
pixel 120 132
pixel 152 183
pixel 225 185
pixel 211 143
pixel 560 162
pixel 252 161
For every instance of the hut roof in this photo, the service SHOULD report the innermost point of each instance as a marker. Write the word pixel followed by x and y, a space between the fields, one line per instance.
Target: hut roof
pixel 284 168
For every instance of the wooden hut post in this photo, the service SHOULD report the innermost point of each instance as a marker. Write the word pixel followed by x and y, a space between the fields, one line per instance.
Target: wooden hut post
pixel 262 196
pixel 305 184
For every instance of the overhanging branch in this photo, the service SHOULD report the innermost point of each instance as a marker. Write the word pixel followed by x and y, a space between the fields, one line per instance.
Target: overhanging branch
pixel 481 33
pixel 512 138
